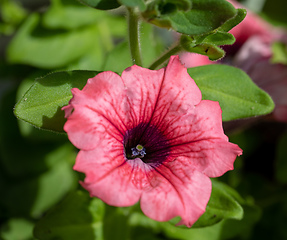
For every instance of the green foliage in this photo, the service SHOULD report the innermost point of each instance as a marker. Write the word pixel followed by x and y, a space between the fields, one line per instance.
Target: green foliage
pixel 45 40
pixel 208 49
pixel 208 43
pixel 12 14
pixel 203 17
pixel 41 105
pixel 49 49
pixel 66 14
pixel 237 95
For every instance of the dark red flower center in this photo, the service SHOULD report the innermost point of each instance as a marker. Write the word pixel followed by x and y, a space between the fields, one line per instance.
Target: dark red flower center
pixel 146 142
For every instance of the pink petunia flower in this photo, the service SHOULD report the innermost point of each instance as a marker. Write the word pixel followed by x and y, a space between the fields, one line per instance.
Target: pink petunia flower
pixel 147 136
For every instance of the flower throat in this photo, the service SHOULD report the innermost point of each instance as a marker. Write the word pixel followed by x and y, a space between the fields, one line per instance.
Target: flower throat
pixel 147 143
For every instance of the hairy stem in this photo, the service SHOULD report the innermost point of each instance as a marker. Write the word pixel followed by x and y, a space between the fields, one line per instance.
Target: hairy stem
pixel 173 51
pixel 134 36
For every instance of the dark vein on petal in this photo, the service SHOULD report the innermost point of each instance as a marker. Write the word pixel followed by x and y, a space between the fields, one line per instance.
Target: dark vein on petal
pixel 102 115
pixel 112 104
pixel 156 103
pixel 182 144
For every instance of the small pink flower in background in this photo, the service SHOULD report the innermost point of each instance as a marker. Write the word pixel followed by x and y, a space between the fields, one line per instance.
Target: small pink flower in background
pixel 252 53
pixel 147 136
pixel 254 58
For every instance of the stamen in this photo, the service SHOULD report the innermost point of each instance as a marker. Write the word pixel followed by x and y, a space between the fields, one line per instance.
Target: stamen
pixel 138 151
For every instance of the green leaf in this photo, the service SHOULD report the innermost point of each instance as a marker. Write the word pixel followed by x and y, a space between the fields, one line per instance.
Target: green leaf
pixel 237 95
pixel 220 38
pixel 37 46
pixel 204 16
pixel 12 12
pixel 222 205
pixel 27 130
pixel 76 217
pixel 134 3
pixel 17 228
pixel 207 44
pixel 279 50
pixel 41 105
pixel 67 14
pixel 101 4
pixel 212 51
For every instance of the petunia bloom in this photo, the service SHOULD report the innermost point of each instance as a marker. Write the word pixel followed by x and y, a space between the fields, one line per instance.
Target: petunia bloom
pixel 147 136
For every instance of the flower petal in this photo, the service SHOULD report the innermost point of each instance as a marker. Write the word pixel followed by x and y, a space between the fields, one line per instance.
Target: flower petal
pixel 177 195
pixel 111 178
pixel 154 95
pixel 198 140
pixel 98 110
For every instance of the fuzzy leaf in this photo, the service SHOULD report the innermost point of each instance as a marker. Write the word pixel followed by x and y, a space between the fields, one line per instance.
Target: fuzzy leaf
pixel 42 103
pixel 237 95
pixel 220 38
pixel 208 49
pixel 203 17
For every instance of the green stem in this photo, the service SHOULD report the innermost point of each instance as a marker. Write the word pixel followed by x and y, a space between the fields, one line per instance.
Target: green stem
pixel 134 36
pixel 173 51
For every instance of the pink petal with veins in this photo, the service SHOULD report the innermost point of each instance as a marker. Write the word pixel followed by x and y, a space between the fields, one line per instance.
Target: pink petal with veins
pixel 198 140
pixel 177 195
pixel 153 95
pixel 96 110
